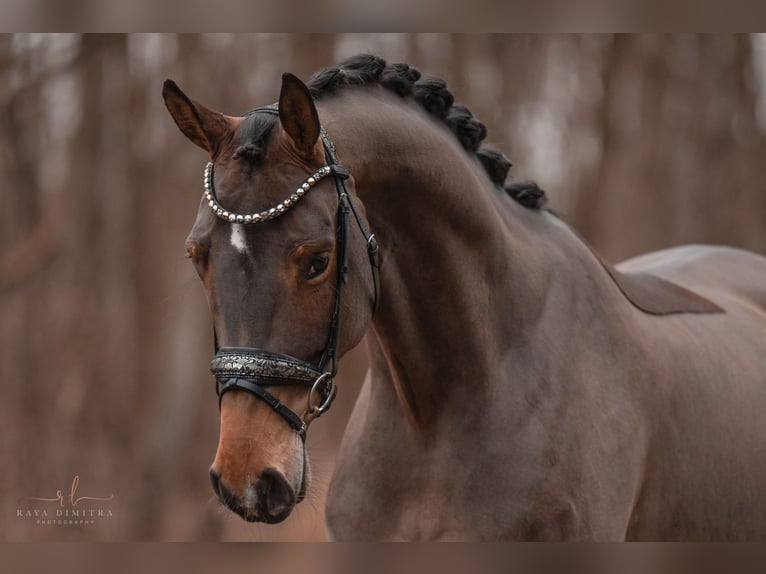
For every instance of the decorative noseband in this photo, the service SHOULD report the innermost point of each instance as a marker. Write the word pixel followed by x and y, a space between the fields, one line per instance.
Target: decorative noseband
pixel 271 367
pixel 251 370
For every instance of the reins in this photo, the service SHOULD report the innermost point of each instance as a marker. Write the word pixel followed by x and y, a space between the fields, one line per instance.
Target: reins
pixel 251 369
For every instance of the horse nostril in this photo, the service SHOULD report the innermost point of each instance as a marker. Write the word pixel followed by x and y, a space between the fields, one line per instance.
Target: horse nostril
pixel 215 480
pixel 276 495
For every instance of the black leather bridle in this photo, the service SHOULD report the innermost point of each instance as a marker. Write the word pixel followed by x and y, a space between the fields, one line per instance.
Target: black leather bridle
pixel 250 369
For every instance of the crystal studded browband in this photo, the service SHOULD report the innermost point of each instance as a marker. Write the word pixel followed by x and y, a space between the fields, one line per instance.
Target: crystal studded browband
pixel 275 211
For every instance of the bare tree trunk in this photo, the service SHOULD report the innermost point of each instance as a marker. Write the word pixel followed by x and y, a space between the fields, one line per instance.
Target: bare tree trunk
pixel 589 211
pixel 311 52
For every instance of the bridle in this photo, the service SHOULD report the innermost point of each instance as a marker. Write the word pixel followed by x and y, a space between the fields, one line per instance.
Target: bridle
pixel 250 369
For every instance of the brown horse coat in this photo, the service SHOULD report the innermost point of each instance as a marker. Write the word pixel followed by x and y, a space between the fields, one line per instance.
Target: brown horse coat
pixel 514 392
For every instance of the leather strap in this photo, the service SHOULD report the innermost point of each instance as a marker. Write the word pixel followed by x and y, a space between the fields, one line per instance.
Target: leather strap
pixel 272 368
pixel 292 419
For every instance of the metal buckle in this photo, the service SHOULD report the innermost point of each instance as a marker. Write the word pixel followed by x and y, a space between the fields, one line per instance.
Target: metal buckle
pixel 372 244
pixel 313 411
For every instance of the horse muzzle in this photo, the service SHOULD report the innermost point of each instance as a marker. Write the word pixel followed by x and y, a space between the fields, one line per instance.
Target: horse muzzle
pixel 270 499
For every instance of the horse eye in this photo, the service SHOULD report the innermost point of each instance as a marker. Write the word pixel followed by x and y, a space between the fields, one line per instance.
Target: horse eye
pixel 318 266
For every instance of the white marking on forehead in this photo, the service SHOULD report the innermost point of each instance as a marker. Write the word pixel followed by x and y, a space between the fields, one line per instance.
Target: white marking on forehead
pixel 238 237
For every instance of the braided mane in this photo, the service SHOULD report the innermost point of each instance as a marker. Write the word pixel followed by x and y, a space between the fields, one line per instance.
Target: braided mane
pixel 432 94
pixel 405 81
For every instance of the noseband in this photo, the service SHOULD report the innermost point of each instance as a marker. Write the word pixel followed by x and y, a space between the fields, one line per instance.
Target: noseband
pixel 250 369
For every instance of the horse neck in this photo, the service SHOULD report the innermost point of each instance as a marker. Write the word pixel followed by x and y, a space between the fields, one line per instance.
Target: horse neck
pixel 466 271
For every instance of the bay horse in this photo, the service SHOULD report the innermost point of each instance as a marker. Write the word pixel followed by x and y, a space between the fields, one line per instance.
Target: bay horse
pixel 519 387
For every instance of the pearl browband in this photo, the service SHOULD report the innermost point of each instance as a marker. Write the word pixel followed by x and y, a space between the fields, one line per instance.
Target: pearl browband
pixel 277 210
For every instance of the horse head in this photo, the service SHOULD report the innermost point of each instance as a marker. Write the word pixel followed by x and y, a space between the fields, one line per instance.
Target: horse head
pixel 286 276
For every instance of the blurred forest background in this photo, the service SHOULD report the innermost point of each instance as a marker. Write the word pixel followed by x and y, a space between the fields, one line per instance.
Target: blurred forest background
pixel 641 142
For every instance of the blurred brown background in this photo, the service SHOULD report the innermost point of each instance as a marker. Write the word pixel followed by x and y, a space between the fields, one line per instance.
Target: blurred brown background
pixel 641 142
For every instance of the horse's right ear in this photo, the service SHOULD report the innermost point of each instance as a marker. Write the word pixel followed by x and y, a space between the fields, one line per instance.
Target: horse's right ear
pixel 203 126
pixel 298 114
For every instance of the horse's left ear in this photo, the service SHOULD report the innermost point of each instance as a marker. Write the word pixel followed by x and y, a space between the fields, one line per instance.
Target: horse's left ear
pixel 298 114
pixel 205 127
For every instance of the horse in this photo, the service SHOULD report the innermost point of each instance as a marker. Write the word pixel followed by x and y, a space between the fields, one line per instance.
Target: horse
pixel 519 387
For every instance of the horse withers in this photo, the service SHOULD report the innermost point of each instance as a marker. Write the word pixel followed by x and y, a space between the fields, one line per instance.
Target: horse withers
pixel 519 387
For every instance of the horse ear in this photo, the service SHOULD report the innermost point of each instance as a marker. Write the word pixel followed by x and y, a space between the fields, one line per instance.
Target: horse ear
pixel 298 114
pixel 203 126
